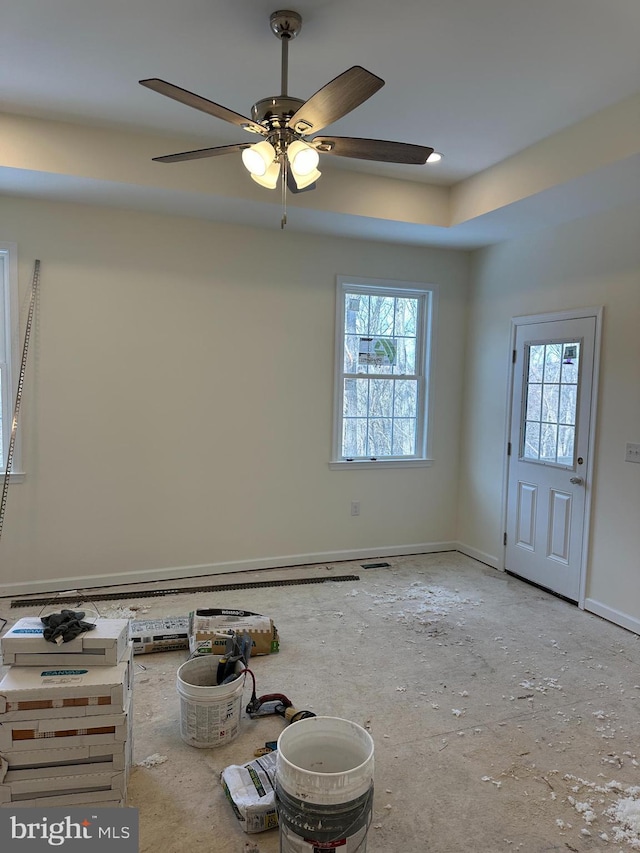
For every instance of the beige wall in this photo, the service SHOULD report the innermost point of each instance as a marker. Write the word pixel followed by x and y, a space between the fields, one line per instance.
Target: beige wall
pixel 586 263
pixel 178 398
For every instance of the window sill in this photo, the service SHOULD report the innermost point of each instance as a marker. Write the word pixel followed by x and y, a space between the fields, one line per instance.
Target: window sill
pixel 380 463
pixel 14 476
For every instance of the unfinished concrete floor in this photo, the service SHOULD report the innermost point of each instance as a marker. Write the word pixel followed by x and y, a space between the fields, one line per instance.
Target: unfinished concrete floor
pixel 504 719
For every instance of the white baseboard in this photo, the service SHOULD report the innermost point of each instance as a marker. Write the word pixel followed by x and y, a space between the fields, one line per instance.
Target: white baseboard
pixel 612 615
pixel 208 569
pixel 489 559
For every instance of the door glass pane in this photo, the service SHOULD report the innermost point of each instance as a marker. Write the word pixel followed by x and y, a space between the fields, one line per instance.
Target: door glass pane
pixel 551 395
pixel 532 440
pixel 536 363
pixel 552 362
pixel 534 402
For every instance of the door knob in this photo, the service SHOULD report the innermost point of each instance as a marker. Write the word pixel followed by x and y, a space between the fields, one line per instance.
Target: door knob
pixel 577 481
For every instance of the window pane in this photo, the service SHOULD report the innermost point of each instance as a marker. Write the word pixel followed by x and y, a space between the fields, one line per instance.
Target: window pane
pixel 379 435
pixel 406 317
pixel 356 397
pixel 531 449
pixel 550 404
pixel 405 402
pixel 568 398
pixel 406 356
pixel 570 359
pixel 565 445
pixel 381 398
pixel 534 402
pixel 356 319
pixel 552 362
pixel 536 363
pixel 404 437
pixel 381 315
pixel 548 442
pixel 354 437
pixel 377 355
pixel 351 344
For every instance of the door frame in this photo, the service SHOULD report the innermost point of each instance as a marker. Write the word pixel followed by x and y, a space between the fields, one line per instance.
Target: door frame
pixel 529 319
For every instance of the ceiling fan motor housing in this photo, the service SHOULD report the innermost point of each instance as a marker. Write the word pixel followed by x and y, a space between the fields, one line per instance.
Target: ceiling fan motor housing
pixel 274 113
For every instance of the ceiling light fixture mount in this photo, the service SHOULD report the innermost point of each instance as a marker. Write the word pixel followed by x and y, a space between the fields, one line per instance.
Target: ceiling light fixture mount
pixel 286 152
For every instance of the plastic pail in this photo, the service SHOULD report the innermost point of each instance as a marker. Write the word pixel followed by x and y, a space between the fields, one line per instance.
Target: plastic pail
pixel 209 712
pixel 324 786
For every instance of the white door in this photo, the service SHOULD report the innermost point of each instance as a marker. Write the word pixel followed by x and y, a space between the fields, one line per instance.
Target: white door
pixel 548 452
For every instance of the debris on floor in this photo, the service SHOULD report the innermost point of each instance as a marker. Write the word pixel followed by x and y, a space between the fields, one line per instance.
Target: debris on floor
pixel 152 760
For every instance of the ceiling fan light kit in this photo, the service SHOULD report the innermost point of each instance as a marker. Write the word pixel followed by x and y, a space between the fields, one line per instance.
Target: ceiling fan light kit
pixel 287 151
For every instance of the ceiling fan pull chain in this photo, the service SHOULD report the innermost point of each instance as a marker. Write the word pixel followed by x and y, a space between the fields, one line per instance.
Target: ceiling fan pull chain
pixel 285 169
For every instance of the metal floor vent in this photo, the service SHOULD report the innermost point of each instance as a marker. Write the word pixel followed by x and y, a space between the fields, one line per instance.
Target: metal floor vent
pixel 154 593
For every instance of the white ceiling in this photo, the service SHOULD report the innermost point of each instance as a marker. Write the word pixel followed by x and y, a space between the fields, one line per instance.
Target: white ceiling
pixel 479 80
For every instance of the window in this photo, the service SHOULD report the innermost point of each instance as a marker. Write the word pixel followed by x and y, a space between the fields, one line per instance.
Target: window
pixel 8 345
pixel 551 398
pixel 383 347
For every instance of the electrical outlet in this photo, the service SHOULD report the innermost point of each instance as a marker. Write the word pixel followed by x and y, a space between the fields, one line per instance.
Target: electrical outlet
pixel 633 453
pixel 355 507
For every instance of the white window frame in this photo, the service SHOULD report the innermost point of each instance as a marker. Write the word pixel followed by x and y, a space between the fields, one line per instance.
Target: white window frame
pixel 9 356
pixel 424 367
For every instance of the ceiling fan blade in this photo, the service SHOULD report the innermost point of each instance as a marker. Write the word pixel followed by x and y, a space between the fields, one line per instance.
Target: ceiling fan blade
pixel 200 103
pixel 343 94
pixel 372 149
pixel 202 152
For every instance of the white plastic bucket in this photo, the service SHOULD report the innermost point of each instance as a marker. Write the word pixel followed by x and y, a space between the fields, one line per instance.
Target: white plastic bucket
pixel 209 712
pixel 324 785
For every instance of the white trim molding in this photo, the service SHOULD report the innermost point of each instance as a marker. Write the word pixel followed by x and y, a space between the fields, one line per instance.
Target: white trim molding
pixel 480 556
pixel 612 615
pixel 209 569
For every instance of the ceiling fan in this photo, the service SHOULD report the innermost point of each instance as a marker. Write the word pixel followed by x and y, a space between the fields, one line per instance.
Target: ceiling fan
pixel 287 150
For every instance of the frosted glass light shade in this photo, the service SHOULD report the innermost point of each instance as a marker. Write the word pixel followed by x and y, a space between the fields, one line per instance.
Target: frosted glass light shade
pixel 303 158
pixel 303 181
pixel 259 157
pixel 270 177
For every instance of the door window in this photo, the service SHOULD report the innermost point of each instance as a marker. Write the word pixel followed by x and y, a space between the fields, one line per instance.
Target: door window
pixel 550 396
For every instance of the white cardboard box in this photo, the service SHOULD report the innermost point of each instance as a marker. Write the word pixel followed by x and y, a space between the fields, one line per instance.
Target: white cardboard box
pixel 24 644
pixel 116 756
pixel 16 786
pixel 36 693
pixel 93 799
pixel 23 735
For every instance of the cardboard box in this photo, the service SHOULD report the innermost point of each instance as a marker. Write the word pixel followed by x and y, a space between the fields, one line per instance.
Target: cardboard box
pixel 159 635
pixel 31 735
pixel 93 799
pixel 117 756
pixel 20 785
pixel 204 624
pixel 249 789
pixel 25 645
pixel 31 693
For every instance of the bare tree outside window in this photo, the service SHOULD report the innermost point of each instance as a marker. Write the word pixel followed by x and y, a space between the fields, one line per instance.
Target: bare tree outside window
pixel 383 372
pixel 551 402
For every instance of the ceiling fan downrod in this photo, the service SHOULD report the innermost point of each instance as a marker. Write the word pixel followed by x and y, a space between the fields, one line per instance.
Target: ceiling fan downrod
pixel 286 25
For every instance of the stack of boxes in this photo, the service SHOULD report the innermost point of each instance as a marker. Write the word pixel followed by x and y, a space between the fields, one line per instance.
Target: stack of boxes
pixel 66 716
